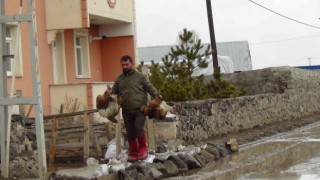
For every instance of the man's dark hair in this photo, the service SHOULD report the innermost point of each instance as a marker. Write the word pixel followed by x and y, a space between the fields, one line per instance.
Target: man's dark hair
pixel 127 58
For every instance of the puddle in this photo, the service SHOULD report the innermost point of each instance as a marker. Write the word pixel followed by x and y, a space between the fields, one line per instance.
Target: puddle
pixel 293 155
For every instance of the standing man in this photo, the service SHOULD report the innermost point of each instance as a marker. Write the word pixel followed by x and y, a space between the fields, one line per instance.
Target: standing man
pixel 132 87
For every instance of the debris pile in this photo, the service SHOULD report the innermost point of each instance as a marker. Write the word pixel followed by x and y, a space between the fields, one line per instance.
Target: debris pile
pixel 171 159
pixel 172 163
pixel 23 153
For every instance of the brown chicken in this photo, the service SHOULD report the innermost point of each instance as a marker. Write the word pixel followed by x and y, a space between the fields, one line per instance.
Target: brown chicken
pixel 107 106
pixel 102 101
pixel 153 109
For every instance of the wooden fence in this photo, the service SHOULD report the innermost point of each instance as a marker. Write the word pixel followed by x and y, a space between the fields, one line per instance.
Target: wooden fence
pixel 71 136
pixel 74 133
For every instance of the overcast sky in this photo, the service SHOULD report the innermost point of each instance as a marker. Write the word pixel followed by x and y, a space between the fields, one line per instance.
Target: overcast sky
pixel 273 39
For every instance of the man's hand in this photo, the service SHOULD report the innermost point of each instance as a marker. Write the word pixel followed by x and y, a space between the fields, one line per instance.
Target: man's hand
pixel 109 90
pixel 158 96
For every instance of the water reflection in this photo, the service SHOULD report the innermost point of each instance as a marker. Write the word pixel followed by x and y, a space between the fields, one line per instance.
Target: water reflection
pixel 294 156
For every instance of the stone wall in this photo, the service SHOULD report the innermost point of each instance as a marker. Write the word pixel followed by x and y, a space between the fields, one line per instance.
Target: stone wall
pixel 297 95
pixel 23 150
pixel 273 80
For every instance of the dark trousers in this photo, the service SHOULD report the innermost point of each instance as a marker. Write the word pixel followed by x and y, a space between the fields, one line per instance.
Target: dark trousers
pixel 134 121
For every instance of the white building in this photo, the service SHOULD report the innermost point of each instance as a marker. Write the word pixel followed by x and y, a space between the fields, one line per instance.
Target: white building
pixel 238 51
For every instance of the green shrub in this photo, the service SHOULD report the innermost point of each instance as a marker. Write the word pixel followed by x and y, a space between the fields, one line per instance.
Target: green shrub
pixel 174 78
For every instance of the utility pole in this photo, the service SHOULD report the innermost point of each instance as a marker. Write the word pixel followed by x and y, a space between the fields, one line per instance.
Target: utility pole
pixel 212 36
pixel 309 59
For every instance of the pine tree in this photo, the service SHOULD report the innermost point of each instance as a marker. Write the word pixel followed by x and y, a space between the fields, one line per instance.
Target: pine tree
pixel 174 77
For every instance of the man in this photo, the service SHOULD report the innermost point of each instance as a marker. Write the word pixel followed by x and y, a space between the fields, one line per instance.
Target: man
pixel 132 87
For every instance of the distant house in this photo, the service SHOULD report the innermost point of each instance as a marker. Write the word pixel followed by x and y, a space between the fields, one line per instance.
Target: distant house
pixel 238 51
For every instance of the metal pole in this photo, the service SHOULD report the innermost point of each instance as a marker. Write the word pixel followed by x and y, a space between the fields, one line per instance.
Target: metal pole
pixel 37 92
pixel 212 36
pixel 3 94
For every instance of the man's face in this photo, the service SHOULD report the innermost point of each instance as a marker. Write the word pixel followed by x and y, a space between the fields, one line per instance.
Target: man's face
pixel 127 66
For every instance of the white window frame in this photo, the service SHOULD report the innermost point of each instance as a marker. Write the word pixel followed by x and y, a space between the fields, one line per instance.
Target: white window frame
pixel 13 27
pixel 55 57
pixel 83 34
pixel 10 51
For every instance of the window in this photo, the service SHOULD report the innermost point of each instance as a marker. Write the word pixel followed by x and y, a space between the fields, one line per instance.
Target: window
pixel 58 58
pixel 8 51
pixel 13 47
pixel 81 44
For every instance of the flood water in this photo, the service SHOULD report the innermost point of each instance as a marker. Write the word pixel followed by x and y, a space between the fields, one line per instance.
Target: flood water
pixel 294 155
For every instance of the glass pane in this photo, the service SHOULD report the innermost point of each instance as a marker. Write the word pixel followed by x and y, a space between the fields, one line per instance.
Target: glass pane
pixel 8 52
pixel 8 48
pixel 79 61
pixel 78 41
pixel 8 64
pixel 54 43
pixel 8 32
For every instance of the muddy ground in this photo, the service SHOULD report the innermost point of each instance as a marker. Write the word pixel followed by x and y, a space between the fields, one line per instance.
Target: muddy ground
pixel 260 132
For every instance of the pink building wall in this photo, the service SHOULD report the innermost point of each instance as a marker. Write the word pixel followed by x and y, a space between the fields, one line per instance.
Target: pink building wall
pixel 104 56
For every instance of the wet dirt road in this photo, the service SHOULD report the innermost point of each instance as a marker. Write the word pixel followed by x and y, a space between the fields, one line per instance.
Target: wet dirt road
pixel 292 155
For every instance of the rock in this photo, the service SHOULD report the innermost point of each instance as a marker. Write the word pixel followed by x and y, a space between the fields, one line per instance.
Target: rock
pixel 233 145
pixel 191 162
pixel 18 119
pixel 145 170
pixel 131 174
pixel 168 168
pixel 207 155
pixel 28 123
pixel 92 162
pixel 31 136
pixel 214 151
pixel 34 145
pixel 159 160
pixel 27 155
pixel 161 157
pixel 140 176
pixel 181 165
pixel 156 174
pixel 191 150
pixel 19 171
pixel 21 135
pixel 161 148
pixel 171 168
pixel 150 171
pixel 160 167
pixel 223 151
pixel 126 174
pixel 23 158
pixel 201 159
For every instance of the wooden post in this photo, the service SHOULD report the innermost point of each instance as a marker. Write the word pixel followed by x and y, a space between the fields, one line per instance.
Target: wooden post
pixel 29 111
pixel 21 107
pixel 118 133
pixel 86 141
pixel 53 142
pixel 98 146
pixel 151 138
pixel 108 131
pixel 118 140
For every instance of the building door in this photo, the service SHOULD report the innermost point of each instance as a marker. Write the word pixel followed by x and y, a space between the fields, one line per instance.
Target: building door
pixel 59 64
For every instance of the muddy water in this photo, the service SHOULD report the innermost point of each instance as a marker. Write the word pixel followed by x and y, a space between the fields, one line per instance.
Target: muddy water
pixel 294 155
